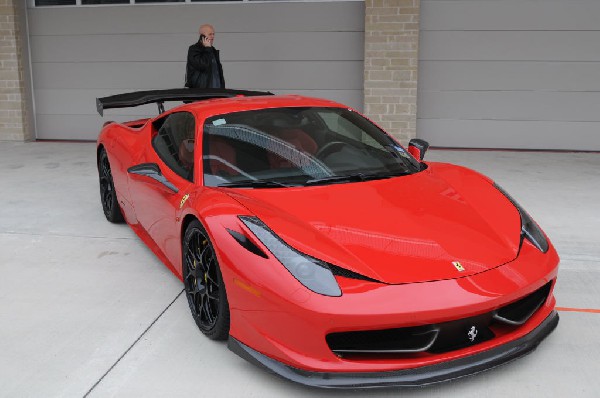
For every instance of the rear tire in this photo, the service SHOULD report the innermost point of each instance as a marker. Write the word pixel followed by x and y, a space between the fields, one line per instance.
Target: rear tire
pixel 108 195
pixel 203 281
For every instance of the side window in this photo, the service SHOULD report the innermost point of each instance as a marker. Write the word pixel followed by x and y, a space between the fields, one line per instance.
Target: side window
pixel 174 143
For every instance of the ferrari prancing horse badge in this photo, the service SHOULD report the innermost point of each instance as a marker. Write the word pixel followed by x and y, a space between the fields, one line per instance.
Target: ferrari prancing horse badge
pixel 185 197
pixel 458 266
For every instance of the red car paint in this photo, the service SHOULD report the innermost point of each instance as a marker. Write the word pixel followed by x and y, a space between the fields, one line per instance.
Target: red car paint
pixel 405 232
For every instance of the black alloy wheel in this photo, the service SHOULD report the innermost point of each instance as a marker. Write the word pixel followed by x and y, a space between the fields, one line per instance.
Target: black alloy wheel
pixel 204 285
pixel 108 195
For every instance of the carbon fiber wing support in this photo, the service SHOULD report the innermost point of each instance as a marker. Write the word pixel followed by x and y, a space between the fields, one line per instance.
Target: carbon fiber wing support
pixel 138 98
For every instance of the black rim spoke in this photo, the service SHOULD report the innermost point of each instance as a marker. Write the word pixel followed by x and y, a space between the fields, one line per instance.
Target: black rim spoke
pixel 106 185
pixel 208 311
pixel 201 281
pixel 214 285
pixel 213 298
pixel 195 301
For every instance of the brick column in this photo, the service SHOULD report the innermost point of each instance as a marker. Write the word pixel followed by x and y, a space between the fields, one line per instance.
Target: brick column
pixel 14 124
pixel 391 65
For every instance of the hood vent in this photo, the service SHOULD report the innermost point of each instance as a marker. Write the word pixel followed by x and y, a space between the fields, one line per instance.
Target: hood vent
pixel 338 271
pixel 247 243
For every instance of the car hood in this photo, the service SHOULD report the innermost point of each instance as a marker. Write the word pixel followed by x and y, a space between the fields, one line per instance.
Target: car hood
pixel 442 223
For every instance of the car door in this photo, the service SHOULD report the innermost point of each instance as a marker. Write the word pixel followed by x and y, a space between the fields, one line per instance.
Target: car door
pixel 159 183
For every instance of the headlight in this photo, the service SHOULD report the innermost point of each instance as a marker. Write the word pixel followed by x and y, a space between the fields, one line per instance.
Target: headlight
pixel 312 273
pixel 529 229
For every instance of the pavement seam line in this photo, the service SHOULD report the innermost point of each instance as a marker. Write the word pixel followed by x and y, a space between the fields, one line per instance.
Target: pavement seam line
pixel 133 344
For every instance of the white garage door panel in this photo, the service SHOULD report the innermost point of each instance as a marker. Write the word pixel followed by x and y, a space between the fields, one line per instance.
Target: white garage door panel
pixel 510 46
pixel 510 105
pixel 264 46
pixel 107 75
pixel 509 134
pixel 77 127
pixel 148 75
pixel 87 125
pixel 510 14
pixel 80 53
pixel 83 102
pixel 306 75
pixel 183 18
pixel 509 75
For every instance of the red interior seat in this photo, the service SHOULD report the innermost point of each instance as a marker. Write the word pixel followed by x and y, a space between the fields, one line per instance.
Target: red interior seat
pixel 225 154
pixel 186 153
pixel 299 139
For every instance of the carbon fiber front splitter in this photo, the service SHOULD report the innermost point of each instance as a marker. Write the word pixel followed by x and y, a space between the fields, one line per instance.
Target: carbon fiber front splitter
pixel 409 377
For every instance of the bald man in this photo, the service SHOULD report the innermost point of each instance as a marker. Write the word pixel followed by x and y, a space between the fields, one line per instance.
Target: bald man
pixel 203 69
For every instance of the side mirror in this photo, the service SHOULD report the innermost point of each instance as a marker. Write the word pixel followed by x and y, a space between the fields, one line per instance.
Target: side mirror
pixel 417 148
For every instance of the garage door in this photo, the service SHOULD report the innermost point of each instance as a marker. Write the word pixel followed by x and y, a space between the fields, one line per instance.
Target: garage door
pixel 80 53
pixel 510 74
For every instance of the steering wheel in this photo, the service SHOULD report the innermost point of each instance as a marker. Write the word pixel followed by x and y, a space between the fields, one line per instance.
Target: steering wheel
pixel 329 148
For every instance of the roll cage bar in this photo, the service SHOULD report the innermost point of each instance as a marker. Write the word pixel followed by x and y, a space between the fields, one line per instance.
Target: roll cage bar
pixel 137 98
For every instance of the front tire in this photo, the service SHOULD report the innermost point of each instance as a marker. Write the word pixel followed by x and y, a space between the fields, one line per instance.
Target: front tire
pixel 203 283
pixel 108 195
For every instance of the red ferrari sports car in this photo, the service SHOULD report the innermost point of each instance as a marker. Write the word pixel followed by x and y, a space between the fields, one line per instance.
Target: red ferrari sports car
pixel 321 248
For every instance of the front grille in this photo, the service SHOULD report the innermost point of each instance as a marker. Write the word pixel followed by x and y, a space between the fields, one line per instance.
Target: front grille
pixel 436 338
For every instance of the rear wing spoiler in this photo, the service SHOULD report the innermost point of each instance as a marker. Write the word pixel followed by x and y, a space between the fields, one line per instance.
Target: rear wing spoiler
pixel 137 98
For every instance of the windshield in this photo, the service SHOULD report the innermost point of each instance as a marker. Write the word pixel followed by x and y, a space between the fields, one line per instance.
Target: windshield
pixel 281 147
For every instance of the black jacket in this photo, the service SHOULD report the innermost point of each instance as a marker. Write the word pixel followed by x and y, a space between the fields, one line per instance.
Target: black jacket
pixel 198 69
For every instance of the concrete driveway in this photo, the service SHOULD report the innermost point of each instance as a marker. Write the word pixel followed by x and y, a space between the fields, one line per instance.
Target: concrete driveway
pixel 87 309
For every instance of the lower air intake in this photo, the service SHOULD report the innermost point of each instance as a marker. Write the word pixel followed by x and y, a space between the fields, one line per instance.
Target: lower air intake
pixel 436 338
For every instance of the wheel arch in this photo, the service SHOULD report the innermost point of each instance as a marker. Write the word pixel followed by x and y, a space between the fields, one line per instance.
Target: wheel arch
pixel 99 150
pixel 222 327
pixel 185 223
pixel 187 220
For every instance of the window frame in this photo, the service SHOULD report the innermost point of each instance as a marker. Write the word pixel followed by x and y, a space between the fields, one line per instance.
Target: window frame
pixel 156 126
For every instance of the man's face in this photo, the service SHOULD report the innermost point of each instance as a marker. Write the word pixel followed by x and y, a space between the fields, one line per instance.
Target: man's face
pixel 209 32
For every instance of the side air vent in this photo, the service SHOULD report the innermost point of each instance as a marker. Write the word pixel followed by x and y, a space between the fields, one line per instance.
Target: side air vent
pixel 520 311
pixel 247 243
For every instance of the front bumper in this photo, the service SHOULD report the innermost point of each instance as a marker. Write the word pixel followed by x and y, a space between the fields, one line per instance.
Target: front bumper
pixel 407 377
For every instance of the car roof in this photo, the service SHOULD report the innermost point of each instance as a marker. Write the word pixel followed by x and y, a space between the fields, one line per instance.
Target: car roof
pixel 236 104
